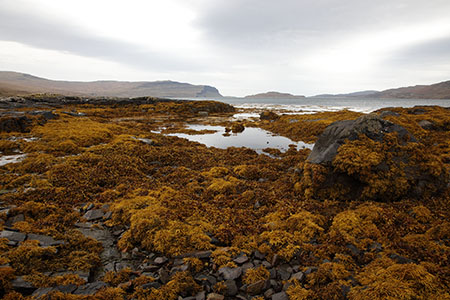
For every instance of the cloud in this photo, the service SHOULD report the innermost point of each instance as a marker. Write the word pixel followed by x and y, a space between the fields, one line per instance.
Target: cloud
pixel 54 34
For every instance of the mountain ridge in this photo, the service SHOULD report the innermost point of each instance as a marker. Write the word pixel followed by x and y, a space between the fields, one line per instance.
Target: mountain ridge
pixel 15 83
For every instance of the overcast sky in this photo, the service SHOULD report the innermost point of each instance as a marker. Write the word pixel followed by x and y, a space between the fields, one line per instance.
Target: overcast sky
pixel 239 46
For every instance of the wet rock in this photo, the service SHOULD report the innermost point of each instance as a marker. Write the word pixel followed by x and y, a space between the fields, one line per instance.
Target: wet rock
pixel 246 266
pixel 89 288
pixel 230 273
pixel 375 247
pixel 93 215
pixel 41 292
pixel 386 113
pixel 164 275
pixel 280 296
pixel 284 272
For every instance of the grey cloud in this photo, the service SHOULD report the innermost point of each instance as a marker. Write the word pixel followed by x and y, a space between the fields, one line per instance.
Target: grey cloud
pixel 49 34
pixel 255 22
pixel 429 53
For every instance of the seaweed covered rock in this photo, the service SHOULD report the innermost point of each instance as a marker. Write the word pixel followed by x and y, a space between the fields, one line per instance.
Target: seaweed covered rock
pixel 370 159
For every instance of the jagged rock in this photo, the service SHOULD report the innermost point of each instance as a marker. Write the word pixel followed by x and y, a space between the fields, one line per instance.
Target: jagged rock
pixel 259 255
pixel 93 215
pixel 150 285
pixel 268 294
pixel 89 288
pixel 230 273
pixel 280 296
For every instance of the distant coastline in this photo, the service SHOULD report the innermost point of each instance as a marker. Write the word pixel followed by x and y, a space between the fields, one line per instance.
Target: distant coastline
pixel 272 95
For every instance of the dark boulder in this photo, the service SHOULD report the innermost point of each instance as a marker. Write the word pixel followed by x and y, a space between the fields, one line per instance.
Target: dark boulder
pixel 15 124
pixel 268 115
pixel 370 159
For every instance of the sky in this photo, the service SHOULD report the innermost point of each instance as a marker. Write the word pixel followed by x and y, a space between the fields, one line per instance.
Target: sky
pixel 242 47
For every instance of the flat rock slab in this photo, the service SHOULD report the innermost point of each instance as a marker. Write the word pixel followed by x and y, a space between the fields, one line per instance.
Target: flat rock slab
pixel 94 214
pixel 89 288
pixel 230 273
pixel 280 296
pixel 13 235
pixel 44 240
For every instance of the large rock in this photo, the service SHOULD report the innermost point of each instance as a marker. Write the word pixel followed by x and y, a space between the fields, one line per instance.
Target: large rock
pixel 370 159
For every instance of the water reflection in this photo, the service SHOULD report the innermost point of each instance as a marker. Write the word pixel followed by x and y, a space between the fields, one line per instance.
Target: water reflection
pixel 253 138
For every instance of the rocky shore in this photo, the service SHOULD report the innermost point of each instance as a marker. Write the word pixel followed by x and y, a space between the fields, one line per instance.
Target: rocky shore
pixel 103 205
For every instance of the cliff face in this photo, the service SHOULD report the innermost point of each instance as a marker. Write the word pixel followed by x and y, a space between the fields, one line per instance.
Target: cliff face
pixel 435 91
pixel 12 83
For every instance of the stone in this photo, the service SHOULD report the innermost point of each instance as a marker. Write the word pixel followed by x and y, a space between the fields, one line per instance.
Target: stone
pixel 427 125
pixel 23 286
pixel 268 294
pixel 15 123
pixel 44 240
pixel 280 296
pixel 160 260
pixel 335 135
pixel 89 288
pixel 230 273
pixel 214 296
pixel 299 276
pixel 391 168
pixel 231 288
pixel 246 266
pixel 256 288
pixel 150 285
pixel 93 215
pixel 13 236
pixel 259 255
pixel 284 272
pixel 268 115
pixel 242 258
pixel 375 247
pixel 66 289
pixel 146 141
pixel 355 251
pixel 237 127
pixel 164 275
pixel 41 292
pixel 200 296
pixel 400 259
pixel 12 220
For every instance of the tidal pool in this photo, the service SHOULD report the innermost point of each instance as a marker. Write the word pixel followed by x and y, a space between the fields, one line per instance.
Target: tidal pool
pixel 253 138
pixel 9 159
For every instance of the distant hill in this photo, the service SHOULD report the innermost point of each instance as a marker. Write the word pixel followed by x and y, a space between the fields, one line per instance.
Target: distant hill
pixel 435 91
pixel 355 94
pixel 13 83
pixel 275 95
